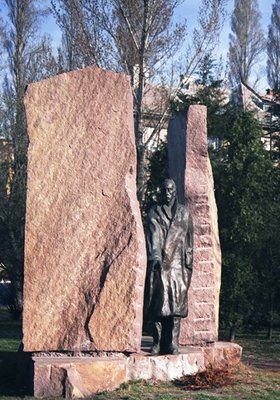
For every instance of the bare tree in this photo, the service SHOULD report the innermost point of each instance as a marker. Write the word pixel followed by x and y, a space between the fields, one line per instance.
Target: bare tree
pixel 138 37
pixel 145 40
pixel 2 35
pixel 273 48
pixel 26 56
pixel 81 39
pixel 246 40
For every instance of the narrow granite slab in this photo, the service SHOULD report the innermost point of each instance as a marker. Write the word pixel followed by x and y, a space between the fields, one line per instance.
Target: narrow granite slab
pixel 190 167
pixel 84 243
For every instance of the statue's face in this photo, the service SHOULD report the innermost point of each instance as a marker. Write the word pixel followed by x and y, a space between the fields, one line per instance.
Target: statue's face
pixel 168 192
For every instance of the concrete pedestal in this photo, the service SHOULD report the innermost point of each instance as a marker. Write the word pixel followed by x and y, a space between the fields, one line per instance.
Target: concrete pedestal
pixel 69 376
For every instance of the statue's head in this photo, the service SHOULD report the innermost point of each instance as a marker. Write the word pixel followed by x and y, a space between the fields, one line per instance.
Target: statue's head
pixel 168 192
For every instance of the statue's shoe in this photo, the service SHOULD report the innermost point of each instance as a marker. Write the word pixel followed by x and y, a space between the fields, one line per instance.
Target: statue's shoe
pixel 155 349
pixel 173 349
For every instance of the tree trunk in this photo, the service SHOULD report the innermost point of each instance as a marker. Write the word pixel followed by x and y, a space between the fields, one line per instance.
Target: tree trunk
pixel 16 305
pixel 140 181
pixel 270 318
pixel 232 333
pixel 269 331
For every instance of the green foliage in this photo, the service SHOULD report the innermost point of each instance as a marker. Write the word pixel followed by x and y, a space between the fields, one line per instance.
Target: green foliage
pixel 244 184
pixel 245 193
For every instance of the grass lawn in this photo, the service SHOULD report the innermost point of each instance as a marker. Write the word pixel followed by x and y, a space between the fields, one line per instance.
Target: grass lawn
pixel 257 378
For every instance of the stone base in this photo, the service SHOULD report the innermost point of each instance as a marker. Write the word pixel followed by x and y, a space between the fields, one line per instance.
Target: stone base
pixel 83 376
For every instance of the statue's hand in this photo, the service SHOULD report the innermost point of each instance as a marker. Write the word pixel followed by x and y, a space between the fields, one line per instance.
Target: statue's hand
pixel 156 265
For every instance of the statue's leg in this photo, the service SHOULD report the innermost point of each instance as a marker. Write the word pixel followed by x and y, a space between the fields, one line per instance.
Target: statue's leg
pixel 170 335
pixel 166 336
pixel 157 332
pixel 174 347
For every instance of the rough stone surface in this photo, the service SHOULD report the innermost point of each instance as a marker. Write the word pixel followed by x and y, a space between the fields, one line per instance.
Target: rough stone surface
pixel 222 355
pixel 190 167
pixel 84 243
pixel 167 368
pixel 76 377
pixel 82 377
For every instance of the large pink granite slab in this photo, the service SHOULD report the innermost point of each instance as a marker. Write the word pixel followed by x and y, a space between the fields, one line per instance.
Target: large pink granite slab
pixel 190 167
pixel 84 244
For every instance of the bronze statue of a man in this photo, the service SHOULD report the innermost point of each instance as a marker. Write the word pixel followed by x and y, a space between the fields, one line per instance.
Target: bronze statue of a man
pixel 169 235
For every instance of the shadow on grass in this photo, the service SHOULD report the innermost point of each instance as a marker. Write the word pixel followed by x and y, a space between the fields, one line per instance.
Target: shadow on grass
pixel 11 380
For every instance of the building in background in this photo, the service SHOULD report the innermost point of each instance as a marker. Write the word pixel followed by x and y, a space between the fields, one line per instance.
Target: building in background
pixel 267 111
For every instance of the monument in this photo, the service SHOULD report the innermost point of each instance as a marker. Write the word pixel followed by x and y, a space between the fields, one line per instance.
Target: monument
pixel 85 255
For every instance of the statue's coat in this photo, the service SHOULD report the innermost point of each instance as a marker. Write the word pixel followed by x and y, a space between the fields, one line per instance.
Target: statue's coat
pixel 169 236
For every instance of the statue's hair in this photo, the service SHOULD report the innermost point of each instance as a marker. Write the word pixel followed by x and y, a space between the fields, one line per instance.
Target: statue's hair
pixel 168 180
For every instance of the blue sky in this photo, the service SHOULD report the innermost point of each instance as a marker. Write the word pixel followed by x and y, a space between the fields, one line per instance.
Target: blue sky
pixel 189 10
